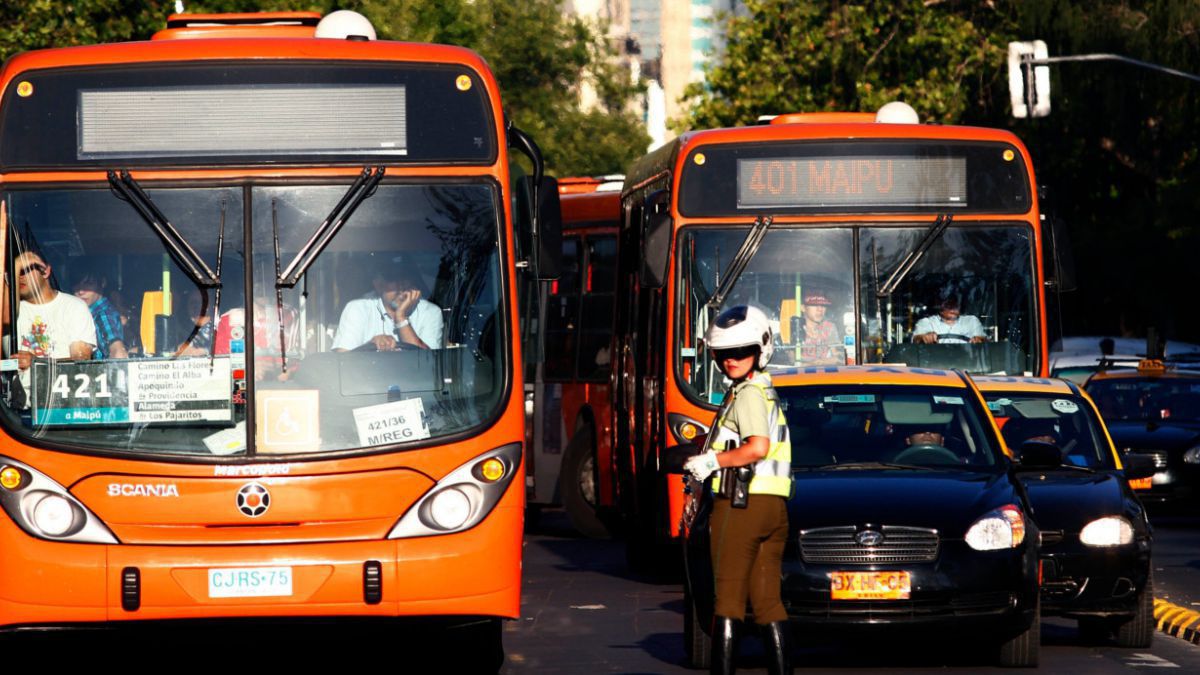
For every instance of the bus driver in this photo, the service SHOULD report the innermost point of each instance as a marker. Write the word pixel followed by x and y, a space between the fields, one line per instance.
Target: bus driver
pixel 948 326
pixel 49 323
pixel 395 313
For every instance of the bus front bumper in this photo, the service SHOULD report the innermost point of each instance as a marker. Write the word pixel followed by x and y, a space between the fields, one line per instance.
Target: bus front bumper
pixel 476 572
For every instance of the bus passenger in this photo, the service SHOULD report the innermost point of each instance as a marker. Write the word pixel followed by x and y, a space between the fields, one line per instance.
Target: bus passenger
pixel 949 326
pixel 110 332
pixel 821 344
pixel 50 324
pixel 393 316
pixel 199 340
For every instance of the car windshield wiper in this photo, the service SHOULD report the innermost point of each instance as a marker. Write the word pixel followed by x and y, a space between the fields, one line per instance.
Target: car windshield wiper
pixel 363 187
pixel 914 256
pixel 127 189
pixel 745 254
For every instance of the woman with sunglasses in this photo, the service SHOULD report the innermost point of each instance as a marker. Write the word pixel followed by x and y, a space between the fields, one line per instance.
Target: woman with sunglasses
pixel 747 539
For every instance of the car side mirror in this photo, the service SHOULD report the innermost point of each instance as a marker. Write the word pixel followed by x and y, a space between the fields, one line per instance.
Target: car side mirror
pixel 1138 466
pixel 677 455
pixel 1039 455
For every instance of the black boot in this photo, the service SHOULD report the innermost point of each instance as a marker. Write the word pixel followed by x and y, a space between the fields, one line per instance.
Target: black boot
pixel 775 643
pixel 724 646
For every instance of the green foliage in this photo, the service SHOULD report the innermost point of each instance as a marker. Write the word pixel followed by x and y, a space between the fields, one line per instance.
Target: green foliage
pixel 943 58
pixel 38 24
pixel 1119 151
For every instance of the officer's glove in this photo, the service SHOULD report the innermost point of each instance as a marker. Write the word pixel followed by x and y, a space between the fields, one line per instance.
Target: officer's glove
pixel 702 466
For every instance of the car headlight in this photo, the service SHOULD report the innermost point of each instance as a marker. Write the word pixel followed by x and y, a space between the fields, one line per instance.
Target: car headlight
pixel 44 509
pixel 998 529
pixel 1107 531
pixel 464 497
pixel 1192 456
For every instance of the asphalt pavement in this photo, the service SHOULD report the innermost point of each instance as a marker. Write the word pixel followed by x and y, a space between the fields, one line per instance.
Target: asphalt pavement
pixel 582 612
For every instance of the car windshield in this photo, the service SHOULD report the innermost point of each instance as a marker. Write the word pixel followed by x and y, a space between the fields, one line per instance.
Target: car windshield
pixel 1066 421
pixel 937 427
pixel 394 334
pixel 1147 398
pixel 823 312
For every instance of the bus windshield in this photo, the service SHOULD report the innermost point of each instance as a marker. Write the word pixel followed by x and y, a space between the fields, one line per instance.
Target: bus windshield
pixel 390 336
pixel 820 290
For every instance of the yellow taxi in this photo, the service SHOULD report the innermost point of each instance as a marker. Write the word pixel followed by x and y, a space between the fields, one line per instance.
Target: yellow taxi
pixel 1096 538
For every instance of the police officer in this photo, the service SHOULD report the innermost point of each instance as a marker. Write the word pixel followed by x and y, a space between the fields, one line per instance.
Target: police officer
pixel 747 543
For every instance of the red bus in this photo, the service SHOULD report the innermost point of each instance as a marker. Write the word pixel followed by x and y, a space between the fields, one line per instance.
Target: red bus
pixel 850 234
pixel 571 461
pixel 342 212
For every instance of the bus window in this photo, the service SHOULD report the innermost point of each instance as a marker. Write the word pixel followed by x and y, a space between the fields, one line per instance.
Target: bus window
pixel 596 316
pixel 562 315
pixel 790 268
pixel 986 270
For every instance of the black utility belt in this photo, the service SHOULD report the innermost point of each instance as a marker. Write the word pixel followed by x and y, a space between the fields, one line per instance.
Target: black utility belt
pixel 735 485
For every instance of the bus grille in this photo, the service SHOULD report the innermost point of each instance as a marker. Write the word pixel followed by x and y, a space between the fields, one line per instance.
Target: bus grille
pixel 837 545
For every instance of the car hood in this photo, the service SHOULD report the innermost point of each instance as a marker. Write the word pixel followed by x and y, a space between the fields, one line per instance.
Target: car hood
pixel 1068 500
pixel 1152 436
pixel 948 501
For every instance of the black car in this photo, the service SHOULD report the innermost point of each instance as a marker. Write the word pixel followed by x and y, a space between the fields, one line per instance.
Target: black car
pixel 1154 411
pixel 888 532
pixel 1096 538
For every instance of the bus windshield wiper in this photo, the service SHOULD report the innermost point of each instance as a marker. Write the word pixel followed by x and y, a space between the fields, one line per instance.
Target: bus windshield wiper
pixel 363 187
pixel 914 256
pixel 741 259
pixel 127 189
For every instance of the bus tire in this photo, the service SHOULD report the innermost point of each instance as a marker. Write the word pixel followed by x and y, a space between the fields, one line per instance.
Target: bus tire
pixel 578 487
pixel 479 646
pixel 697 643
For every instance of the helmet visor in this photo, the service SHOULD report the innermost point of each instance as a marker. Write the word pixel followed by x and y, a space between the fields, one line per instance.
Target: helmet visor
pixel 735 353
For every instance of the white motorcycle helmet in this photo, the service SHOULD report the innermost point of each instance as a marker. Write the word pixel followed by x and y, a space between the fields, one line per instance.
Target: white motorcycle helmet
pixel 742 326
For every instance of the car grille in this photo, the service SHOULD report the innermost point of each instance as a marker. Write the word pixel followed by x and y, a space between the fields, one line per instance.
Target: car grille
pixel 1159 456
pixel 970 604
pixel 837 545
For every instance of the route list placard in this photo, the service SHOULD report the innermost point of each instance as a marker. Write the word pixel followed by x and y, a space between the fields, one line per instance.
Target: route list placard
pixel 144 391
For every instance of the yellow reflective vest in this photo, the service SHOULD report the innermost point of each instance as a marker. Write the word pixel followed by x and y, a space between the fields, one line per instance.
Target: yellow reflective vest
pixel 773 473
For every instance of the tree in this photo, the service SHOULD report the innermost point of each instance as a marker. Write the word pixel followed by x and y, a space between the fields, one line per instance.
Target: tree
pixel 943 58
pixel 39 24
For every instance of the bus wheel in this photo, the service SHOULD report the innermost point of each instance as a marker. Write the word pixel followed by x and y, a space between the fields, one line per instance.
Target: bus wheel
pixel 478 647
pixel 577 485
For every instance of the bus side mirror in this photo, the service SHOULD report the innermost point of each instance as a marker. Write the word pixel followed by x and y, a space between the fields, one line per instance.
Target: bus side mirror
pixel 547 223
pixel 1060 261
pixel 656 239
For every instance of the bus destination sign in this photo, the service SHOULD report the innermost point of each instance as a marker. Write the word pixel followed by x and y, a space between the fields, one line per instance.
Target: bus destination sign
pixel 855 182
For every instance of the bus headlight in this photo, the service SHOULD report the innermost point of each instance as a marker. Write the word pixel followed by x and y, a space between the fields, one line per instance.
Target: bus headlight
pixel 44 509
pixel 998 529
pixel 53 515
pixel 450 508
pixel 1192 456
pixel 464 497
pixel 1107 531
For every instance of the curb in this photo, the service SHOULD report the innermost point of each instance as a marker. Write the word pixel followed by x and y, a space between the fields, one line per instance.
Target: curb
pixel 1177 621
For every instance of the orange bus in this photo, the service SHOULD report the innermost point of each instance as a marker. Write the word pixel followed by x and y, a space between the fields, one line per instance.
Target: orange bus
pixel 864 241
pixel 311 240
pixel 570 461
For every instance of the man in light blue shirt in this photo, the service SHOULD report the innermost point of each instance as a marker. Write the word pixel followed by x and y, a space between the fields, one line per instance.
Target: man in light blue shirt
pixel 393 317
pixel 949 326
